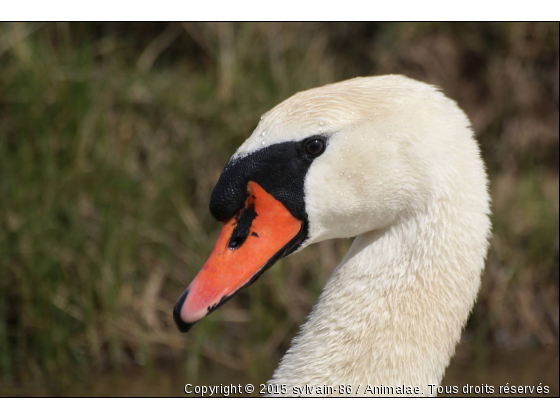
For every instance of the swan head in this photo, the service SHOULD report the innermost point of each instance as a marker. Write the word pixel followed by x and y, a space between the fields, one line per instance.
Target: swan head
pixel 331 162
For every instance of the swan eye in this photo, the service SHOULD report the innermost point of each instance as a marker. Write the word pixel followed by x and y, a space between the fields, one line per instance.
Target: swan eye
pixel 314 147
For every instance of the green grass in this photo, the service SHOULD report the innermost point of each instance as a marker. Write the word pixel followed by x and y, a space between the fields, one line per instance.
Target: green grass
pixel 113 135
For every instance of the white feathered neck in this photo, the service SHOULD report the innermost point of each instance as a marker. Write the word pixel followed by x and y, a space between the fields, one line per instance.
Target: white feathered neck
pixel 403 172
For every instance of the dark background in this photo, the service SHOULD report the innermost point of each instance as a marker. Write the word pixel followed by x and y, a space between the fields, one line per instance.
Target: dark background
pixel 113 135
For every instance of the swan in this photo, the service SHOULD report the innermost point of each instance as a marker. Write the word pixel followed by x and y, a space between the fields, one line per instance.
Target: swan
pixel 392 162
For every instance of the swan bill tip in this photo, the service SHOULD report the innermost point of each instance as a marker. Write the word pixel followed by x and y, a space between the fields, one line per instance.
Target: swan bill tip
pixel 182 326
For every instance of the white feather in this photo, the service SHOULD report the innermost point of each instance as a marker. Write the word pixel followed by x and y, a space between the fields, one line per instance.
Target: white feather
pixel 403 173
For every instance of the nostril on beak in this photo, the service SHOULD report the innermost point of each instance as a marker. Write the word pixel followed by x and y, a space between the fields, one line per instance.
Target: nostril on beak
pixel 244 220
pixel 181 325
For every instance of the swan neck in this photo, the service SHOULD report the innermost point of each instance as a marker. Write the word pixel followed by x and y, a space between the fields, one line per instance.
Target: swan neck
pixel 393 310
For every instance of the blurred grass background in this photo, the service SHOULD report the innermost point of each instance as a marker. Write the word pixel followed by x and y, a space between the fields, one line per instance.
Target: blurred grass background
pixel 113 135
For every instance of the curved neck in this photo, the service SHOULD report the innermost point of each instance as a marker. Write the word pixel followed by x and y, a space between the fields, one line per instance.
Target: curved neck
pixel 393 310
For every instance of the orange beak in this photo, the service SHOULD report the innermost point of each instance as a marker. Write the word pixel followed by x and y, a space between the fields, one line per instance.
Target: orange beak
pixel 258 235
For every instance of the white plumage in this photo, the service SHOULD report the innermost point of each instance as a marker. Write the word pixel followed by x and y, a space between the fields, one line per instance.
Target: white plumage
pixel 403 173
